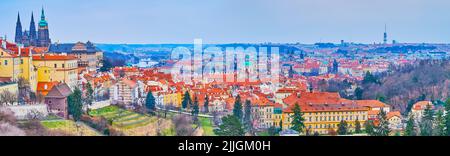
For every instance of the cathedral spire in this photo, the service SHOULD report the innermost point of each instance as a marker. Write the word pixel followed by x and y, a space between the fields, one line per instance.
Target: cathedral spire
pixel 32 17
pixel 42 14
pixel 32 32
pixel 43 22
pixel 18 38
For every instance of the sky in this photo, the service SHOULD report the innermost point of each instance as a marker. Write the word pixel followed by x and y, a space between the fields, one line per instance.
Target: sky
pixel 234 21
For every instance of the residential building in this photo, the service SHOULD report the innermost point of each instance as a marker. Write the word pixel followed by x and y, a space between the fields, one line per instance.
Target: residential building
pixel 56 100
pixel 322 118
pixel 125 92
pixel 395 120
pixel 418 109
pixel 88 55
pixel 16 63
pixel 60 68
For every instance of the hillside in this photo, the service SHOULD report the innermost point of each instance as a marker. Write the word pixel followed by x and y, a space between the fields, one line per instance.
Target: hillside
pixel 403 86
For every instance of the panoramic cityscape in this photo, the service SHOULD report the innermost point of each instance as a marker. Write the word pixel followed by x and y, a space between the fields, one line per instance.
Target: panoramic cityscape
pixel 384 85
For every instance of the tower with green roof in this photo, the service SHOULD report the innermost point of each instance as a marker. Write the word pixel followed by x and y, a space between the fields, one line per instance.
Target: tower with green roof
pixel 43 39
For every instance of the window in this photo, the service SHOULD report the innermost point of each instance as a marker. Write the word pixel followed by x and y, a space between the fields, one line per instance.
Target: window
pixel 21 61
pixel 63 65
pixel 56 66
pixel 6 62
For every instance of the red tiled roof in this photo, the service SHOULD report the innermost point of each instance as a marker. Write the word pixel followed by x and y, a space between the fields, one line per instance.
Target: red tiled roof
pixel 421 105
pixel 54 57
pixel 392 114
pixel 45 87
pixel 328 108
pixel 371 103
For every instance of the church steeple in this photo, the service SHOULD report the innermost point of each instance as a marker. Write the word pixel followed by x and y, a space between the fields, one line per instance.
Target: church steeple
pixel 43 37
pixel 18 38
pixel 42 14
pixel 33 32
pixel 43 22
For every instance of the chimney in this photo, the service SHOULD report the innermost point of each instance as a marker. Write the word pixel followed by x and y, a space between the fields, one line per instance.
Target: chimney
pixel 3 43
pixel 19 47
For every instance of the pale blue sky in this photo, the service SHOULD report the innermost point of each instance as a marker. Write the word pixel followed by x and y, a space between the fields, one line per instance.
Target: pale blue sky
pixel 230 21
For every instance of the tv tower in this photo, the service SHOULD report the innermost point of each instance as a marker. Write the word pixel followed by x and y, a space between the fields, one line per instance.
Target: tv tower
pixel 385 34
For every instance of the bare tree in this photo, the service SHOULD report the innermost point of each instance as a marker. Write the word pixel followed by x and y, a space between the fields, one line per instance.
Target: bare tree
pixel 6 129
pixel 8 124
pixel 34 128
pixel 40 98
pixel 24 90
pixel 8 98
pixel 7 116
pixel 183 125
pixel 35 115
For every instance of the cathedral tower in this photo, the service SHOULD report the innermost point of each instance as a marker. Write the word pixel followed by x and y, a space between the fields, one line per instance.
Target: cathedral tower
pixel 43 33
pixel 32 32
pixel 18 38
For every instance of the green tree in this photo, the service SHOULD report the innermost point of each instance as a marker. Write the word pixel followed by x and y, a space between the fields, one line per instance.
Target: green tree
pixel 358 129
pixel 342 128
pixel 297 119
pixel 273 131
pixel 206 104
pixel 410 129
pixel 89 94
pixel 359 93
pixel 75 104
pixel 195 109
pixel 106 65
pixel 231 126
pixel 187 101
pixel 426 124
pixel 281 124
pixel 247 116
pixel 439 123
pixel 150 102
pixel 447 117
pixel 237 110
pixel 382 129
pixel 369 127
pixel 370 78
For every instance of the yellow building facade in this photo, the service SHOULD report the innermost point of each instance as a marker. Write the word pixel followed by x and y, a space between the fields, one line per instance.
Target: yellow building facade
pixel 322 118
pixel 17 66
pixel 60 68
pixel 173 99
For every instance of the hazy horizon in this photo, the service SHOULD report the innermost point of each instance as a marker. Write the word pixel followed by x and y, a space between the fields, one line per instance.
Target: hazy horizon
pixel 234 21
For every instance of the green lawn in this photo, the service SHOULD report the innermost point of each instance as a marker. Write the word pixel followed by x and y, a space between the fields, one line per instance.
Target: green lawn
pixel 69 127
pixel 56 124
pixel 207 126
pixel 122 118
pixel 264 133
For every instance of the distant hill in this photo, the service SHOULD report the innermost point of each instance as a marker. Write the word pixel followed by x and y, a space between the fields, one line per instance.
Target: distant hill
pixel 403 86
